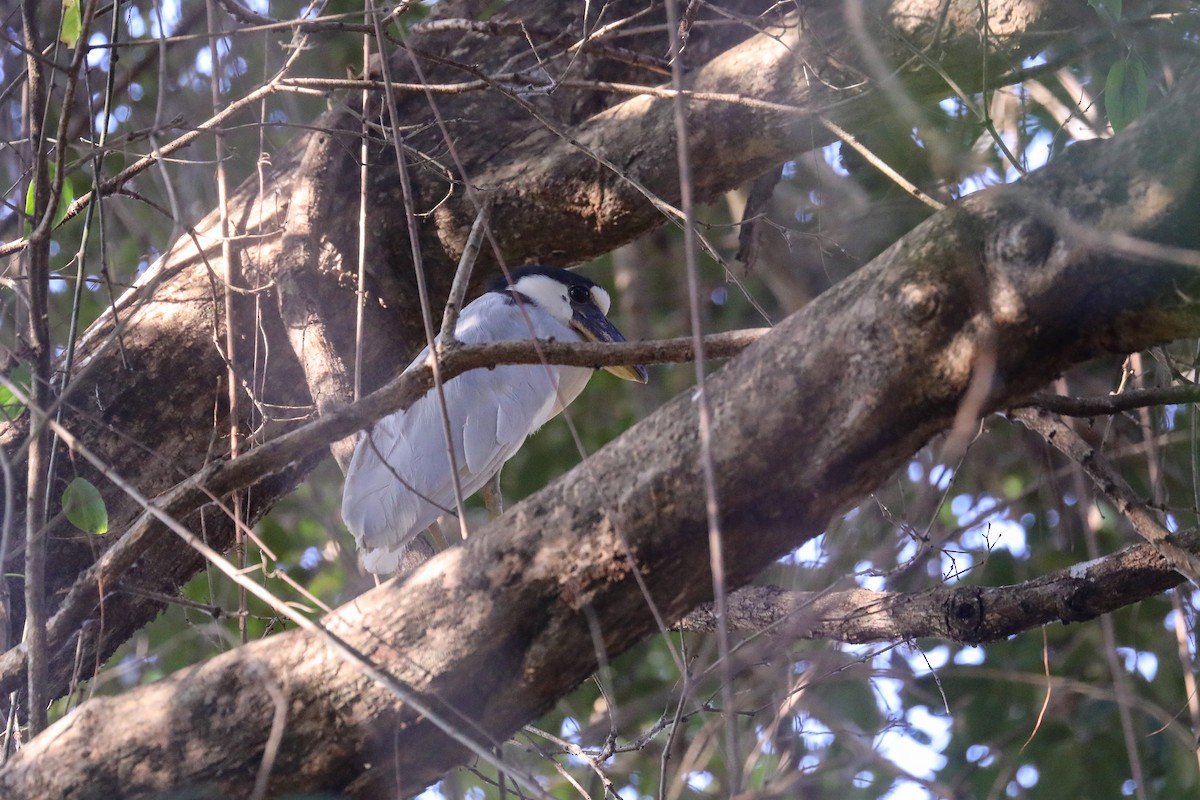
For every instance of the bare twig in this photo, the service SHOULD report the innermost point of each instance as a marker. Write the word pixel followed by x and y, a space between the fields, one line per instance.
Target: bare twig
pixel 414 238
pixel 1113 403
pixel 360 284
pixel 904 183
pixel 462 276
pixel 254 22
pixel 230 278
pixel 1110 482
pixel 712 509
pixel 37 273
pixel 8 510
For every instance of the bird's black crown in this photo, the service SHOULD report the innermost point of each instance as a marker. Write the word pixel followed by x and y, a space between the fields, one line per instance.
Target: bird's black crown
pixel 563 276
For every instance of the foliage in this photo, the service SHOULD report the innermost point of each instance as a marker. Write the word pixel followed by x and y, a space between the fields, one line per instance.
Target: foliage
pixel 84 507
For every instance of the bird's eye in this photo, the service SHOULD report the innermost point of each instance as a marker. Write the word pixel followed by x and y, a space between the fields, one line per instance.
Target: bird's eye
pixel 579 294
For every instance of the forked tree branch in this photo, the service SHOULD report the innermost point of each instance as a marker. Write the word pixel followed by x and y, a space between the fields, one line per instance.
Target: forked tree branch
pixel 589 144
pixel 493 632
pixel 1106 477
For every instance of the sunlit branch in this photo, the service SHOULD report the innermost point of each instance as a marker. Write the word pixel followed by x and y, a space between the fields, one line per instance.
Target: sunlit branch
pixel 967 614
pixel 453 726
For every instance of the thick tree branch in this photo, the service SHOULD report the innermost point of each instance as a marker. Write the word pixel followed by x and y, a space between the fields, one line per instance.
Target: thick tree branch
pixel 301 277
pixel 222 477
pixel 495 630
pixel 555 200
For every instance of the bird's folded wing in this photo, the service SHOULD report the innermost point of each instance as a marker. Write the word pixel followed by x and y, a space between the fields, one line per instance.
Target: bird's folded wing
pixel 399 480
pixel 396 483
pixel 494 430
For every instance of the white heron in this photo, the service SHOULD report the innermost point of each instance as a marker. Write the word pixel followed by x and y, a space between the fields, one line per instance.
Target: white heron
pixel 399 481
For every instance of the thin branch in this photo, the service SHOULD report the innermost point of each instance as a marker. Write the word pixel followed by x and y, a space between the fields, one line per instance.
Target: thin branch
pixel 1113 403
pixel 1110 482
pixel 712 507
pixel 37 269
pixel 462 276
pixel 523 81
pixel 904 183
pixel 364 202
pixel 8 509
pixel 967 614
pixel 230 277
pixel 407 192
pixel 253 22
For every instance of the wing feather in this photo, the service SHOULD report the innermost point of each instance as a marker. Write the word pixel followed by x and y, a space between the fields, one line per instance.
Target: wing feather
pixel 399 479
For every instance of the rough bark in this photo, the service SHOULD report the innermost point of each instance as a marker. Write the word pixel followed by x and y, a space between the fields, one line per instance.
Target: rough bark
pixel 1028 279
pixel 967 614
pixel 553 201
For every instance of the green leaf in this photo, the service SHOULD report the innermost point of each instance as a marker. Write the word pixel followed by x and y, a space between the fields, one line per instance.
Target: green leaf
pixel 72 24
pixel 84 507
pixel 1125 93
pixel 10 406
pixel 29 209
pixel 64 199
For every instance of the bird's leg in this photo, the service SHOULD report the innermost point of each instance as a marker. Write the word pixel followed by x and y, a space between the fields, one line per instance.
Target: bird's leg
pixel 493 501
pixel 436 537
